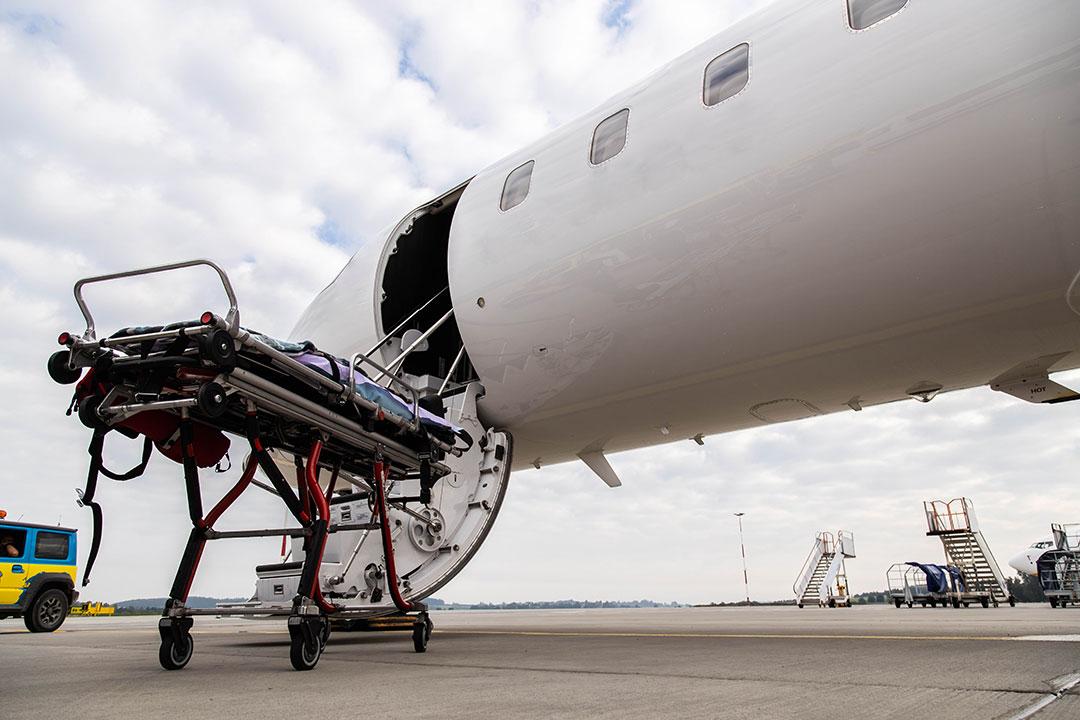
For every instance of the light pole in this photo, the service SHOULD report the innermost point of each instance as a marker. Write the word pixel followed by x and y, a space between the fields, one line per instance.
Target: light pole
pixel 742 547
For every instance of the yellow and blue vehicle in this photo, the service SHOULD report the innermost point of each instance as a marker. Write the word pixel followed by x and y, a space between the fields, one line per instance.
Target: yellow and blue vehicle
pixel 37 574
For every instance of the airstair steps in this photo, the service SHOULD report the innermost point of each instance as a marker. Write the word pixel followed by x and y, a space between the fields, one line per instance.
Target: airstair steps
pixel 823 580
pixel 954 522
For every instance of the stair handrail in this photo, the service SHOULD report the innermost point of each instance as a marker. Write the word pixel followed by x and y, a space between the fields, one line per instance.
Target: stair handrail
pixel 807 571
pixel 945 516
pixel 845 543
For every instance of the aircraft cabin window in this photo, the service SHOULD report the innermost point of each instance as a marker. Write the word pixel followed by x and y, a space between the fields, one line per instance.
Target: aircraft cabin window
pixel 864 13
pixel 726 75
pixel 516 187
pixel 609 138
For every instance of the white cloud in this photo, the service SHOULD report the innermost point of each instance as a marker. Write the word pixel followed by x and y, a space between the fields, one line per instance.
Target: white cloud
pixel 276 142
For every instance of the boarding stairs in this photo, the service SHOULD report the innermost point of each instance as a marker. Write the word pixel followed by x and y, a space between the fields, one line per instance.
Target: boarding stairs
pixel 823 578
pixel 955 523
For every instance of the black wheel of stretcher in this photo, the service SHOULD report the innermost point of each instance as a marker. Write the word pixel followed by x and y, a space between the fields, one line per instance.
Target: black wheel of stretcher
pixel 212 400
pixel 60 371
pixel 421 634
pixel 173 655
pixel 88 414
pixel 304 655
pixel 218 348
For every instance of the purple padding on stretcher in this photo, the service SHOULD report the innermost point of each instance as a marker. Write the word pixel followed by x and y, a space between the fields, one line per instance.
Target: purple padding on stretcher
pixel 386 399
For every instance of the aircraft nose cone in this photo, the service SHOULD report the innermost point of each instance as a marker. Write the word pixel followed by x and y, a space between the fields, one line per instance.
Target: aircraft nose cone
pixel 1024 563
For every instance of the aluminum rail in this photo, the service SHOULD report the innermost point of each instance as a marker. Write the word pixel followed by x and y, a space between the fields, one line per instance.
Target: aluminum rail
pixel 450 372
pixel 405 322
pixel 232 318
pixel 268 395
pixel 393 366
pixel 313 376
pixel 349 391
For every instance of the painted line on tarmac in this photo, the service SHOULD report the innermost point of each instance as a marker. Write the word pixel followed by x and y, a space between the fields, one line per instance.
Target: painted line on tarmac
pixel 767 636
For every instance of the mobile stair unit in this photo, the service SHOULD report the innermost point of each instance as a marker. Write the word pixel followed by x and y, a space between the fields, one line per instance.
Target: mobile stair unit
pixel 1059 568
pixel 823 578
pixel 954 522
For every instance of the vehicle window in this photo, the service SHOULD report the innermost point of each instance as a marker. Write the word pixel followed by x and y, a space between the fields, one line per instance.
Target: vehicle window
pixel 51 546
pixel 516 187
pixel 864 13
pixel 727 74
pixel 609 138
pixel 12 542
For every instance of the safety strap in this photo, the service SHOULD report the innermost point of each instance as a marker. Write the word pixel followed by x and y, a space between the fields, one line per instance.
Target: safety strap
pixel 148 447
pixel 86 496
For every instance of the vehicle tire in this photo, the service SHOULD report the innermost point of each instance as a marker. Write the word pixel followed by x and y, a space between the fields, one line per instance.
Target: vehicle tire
pixel 47 611
pixel 212 400
pixel 303 655
pixel 59 370
pixel 218 348
pixel 173 655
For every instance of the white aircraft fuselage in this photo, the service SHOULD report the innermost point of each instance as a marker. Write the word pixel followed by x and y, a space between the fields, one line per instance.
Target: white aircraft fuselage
pixel 877 213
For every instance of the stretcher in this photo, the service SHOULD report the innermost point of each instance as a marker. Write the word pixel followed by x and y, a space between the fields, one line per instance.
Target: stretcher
pixel 185 387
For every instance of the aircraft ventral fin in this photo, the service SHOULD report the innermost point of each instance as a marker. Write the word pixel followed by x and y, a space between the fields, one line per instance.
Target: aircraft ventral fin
pixel 1030 381
pixel 599 464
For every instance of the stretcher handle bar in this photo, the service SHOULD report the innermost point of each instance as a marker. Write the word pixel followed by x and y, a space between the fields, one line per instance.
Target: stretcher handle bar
pixel 397 362
pixel 232 318
pixel 405 322
pixel 450 372
pixel 140 338
pixel 350 389
pixel 116 413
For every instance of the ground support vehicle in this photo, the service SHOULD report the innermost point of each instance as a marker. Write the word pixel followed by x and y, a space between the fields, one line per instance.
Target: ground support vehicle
pixel 37 574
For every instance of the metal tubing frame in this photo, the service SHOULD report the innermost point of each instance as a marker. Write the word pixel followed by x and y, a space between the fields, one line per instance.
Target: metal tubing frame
pixel 400 359
pixel 405 322
pixel 379 477
pixel 232 318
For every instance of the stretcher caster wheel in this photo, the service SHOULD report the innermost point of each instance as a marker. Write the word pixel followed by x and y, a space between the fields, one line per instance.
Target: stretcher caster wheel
pixel 218 348
pixel 304 654
pixel 174 654
pixel 212 400
pixel 421 634
pixel 305 642
pixel 59 370
pixel 88 414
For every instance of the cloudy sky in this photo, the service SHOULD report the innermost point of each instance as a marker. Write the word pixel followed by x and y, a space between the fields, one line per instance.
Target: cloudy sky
pixel 277 142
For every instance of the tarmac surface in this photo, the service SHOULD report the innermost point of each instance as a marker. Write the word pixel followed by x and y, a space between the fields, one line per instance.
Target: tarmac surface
pixel 777 662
